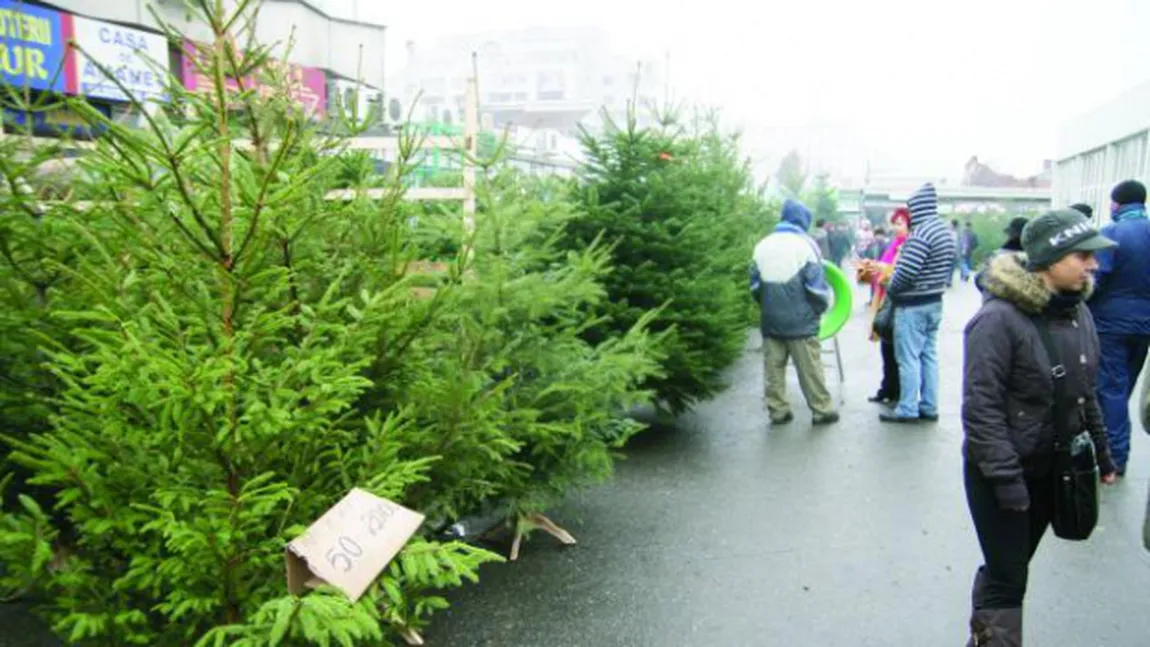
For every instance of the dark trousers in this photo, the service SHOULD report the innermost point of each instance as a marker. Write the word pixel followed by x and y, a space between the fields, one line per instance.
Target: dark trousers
pixel 1122 360
pixel 890 384
pixel 1008 539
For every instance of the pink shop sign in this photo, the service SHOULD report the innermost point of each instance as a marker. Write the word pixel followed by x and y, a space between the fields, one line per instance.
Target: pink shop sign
pixel 306 85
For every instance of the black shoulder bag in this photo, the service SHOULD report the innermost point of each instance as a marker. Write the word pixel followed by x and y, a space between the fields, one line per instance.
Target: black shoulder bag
pixel 883 324
pixel 1075 463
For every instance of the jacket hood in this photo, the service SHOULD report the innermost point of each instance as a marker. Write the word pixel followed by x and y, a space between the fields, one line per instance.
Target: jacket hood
pixel 1008 279
pixel 796 214
pixel 923 205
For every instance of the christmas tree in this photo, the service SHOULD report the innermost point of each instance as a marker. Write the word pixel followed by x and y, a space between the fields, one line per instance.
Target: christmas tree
pixel 677 207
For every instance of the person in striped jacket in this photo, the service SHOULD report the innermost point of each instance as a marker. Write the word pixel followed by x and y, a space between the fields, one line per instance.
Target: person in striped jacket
pixel 915 290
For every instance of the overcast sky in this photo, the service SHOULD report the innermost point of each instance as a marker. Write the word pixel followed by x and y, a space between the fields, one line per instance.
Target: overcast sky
pixel 926 83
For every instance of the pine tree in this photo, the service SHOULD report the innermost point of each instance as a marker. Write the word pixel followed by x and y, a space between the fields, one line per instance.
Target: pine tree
pixel 678 209
pixel 568 399
pixel 791 176
pixel 213 380
pixel 823 199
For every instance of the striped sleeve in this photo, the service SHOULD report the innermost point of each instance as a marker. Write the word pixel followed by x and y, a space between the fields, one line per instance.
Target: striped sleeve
pixel 911 259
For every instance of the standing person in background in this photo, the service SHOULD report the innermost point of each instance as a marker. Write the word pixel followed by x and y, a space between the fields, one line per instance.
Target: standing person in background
pixel 788 278
pixel 957 234
pixel 822 238
pixel 967 248
pixel 865 241
pixel 1084 209
pixel 1013 243
pixel 840 244
pixel 1121 308
pixel 1013 233
pixel 852 236
pixel 920 277
pixel 881 242
pixel 1009 402
pixel 889 390
pixel 1145 407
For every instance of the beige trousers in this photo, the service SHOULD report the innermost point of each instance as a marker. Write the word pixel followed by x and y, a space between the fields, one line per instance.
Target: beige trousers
pixel 808 364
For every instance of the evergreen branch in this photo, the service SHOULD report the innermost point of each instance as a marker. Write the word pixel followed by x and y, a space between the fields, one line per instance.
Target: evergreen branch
pixel 7 253
pixel 124 155
pixel 261 197
pixel 225 152
pixel 192 237
pixel 237 13
pixel 258 142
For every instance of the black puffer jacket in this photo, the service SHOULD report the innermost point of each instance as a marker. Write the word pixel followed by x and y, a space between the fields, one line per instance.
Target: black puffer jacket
pixel 1008 391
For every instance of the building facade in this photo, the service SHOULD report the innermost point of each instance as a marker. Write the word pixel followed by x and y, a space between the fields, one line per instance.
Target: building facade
pixel 319 54
pixel 1101 149
pixel 877 199
pixel 539 78
pixel 344 44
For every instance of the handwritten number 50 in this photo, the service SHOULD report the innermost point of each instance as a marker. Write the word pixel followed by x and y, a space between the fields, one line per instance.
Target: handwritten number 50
pixel 347 549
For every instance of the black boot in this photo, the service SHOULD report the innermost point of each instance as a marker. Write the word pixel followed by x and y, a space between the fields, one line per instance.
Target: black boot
pixel 996 628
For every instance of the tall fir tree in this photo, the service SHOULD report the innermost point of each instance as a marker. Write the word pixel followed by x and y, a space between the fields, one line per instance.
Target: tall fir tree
pixel 213 378
pixel 791 176
pixel 823 199
pixel 673 206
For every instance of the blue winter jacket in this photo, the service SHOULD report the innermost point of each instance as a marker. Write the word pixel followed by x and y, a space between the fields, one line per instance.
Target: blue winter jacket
pixel 1121 300
pixel 788 277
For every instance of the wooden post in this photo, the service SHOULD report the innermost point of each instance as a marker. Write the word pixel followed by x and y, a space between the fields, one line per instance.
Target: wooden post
pixel 471 144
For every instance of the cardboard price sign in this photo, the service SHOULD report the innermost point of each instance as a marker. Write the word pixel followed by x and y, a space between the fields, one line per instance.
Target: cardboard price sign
pixel 350 544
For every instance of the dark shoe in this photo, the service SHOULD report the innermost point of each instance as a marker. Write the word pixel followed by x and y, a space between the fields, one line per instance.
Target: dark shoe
pixel 825 419
pixel 890 417
pixel 783 420
pixel 880 398
pixel 928 418
pixel 996 628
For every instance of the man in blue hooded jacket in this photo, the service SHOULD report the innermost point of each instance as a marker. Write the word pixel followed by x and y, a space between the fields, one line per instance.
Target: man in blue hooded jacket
pixel 1121 308
pixel 788 279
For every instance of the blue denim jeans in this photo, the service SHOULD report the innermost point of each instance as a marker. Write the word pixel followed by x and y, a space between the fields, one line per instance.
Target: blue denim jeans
pixel 916 347
pixel 965 269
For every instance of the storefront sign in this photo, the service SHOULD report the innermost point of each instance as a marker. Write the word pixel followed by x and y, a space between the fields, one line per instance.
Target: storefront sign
pixel 33 44
pixel 53 122
pixel 307 86
pixel 138 59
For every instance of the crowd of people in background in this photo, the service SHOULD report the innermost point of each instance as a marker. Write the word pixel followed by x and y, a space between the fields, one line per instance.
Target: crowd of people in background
pixel 1051 359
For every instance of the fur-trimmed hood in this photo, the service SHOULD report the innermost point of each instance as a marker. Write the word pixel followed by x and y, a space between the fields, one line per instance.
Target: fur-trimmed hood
pixel 1007 278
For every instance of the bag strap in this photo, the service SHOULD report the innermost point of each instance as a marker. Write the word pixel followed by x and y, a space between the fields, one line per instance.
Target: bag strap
pixel 1062 433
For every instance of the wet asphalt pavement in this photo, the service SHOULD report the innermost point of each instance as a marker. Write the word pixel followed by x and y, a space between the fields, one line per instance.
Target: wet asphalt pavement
pixel 723 531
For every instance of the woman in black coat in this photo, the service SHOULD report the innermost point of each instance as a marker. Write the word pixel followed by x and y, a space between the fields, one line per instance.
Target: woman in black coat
pixel 1008 406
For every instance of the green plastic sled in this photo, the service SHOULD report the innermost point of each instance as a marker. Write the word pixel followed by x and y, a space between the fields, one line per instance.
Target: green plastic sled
pixel 840 311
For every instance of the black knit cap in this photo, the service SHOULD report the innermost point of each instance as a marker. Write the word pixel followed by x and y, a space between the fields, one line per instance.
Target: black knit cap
pixel 1014 229
pixel 1084 209
pixel 1129 192
pixel 1055 234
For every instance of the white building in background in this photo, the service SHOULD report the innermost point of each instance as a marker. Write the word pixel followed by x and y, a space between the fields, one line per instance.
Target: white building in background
pixel 541 78
pixel 347 43
pixel 543 151
pixel 1101 149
